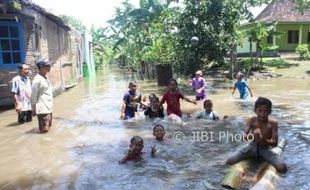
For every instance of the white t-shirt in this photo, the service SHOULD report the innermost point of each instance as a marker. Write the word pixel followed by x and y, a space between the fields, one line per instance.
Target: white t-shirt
pixel 209 116
pixel 21 86
pixel 42 95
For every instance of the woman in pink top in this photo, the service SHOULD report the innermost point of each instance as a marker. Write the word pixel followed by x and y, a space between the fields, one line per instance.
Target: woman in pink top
pixel 172 99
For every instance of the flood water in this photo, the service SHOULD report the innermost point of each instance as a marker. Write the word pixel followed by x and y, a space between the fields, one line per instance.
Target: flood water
pixel 82 149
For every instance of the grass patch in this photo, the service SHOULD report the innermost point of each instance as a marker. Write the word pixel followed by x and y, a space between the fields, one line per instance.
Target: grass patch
pixel 279 63
pixel 269 62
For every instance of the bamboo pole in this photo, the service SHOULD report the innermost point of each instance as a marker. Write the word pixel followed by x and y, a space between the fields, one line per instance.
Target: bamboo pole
pixel 236 174
pixel 268 176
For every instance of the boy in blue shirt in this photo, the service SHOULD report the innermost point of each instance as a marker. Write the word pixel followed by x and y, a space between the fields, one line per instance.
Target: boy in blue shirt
pixel 130 102
pixel 243 88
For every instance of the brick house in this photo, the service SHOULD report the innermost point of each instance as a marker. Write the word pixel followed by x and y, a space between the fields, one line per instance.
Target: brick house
pixel 29 32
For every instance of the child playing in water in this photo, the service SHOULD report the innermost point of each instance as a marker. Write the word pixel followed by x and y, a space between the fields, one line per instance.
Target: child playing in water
pixel 172 99
pixel 199 84
pixel 154 109
pixel 208 114
pixel 159 132
pixel 243 88
pixel 265 133
pixel 130 102
pixel 135 152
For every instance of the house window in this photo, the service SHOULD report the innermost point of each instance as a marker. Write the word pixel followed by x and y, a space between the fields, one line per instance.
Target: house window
pixel 270 39
pixel 293 36
pixel 11 44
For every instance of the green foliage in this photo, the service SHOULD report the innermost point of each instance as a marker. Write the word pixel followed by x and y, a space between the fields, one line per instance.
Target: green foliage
pixel 245 63
pixel 216 25
pixel 302 5
pixel 157 33
pixel 303 51
pixel 278 63
pixel 74 23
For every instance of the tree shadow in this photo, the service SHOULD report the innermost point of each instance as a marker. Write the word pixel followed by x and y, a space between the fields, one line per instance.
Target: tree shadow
pixel 280 63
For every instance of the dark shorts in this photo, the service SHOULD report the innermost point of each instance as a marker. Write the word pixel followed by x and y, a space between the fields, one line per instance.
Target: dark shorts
pixel 25 116
pixel 45 122
pixel 130 113
pixel 252 150
pixel 202 97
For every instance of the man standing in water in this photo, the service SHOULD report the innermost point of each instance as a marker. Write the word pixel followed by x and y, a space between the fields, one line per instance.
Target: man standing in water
pixel 42 96
pixel 21 90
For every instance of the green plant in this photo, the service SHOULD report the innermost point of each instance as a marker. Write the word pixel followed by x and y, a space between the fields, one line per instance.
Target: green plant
pixel 303 51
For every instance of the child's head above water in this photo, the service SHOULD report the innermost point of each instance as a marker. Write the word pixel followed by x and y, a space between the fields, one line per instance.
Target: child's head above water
pixel 261 101
pixel 239 75
pixel 173 85
pixel 159 132
pixel 132 86
pixel 154 102
pixel 198 73
pixel 154 99
pixel 208 105
pixel 151 96
pixel 136 144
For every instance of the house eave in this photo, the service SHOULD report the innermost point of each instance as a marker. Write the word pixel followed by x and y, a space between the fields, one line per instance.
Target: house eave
pixel 11 6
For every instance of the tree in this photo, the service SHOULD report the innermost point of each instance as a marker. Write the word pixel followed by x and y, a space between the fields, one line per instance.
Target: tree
pixel 74 23
pixel 216 25
pixel 134 31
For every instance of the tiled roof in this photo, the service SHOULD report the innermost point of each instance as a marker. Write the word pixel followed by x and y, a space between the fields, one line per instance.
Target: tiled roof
pixel 56 19
pixel 282 11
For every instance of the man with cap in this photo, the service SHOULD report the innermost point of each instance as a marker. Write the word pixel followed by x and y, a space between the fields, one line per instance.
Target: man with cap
pixel 21 90
pixel 42 96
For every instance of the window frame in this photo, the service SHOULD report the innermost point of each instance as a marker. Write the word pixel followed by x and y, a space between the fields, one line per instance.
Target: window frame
pixel 21 44
pixel 290 39
pixel 270 39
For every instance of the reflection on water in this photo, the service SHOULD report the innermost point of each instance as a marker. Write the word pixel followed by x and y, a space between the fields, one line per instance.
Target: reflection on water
pixel 87 139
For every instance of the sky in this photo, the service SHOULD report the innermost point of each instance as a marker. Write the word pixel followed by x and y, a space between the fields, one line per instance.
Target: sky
pixel 90 12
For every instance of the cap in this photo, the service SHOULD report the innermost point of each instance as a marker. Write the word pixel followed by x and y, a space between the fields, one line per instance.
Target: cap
pixel 43 62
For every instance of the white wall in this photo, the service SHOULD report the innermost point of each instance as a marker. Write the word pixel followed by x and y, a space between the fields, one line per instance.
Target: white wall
pixel 245 48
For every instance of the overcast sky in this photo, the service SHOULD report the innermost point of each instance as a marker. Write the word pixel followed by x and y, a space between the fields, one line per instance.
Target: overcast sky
pixel 90 12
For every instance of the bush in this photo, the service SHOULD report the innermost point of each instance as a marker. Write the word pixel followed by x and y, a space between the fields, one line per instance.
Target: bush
pixel 303 51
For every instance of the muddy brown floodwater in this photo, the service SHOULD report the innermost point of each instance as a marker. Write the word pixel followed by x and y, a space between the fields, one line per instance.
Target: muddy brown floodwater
pixel 87 139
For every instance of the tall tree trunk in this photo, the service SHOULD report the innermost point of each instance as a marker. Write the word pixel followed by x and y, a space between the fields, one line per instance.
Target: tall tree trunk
pixel 148 75
pixel 233 60
pixel 252 61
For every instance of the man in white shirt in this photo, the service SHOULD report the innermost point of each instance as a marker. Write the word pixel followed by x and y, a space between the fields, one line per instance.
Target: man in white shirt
pixel 42 96
pixel 21 90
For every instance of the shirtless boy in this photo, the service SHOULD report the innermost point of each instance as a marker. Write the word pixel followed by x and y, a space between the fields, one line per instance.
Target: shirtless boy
pixel 265 132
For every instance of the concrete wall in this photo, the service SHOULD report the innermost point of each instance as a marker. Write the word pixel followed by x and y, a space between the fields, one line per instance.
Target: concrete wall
pixel 245 47
pixel 282 40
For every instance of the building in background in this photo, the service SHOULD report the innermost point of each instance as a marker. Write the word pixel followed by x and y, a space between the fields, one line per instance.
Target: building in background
pixel 293 27
pixel 29 32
